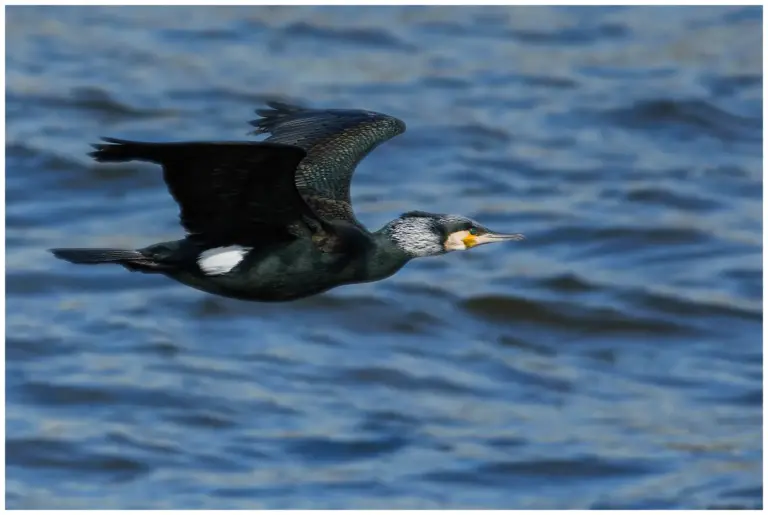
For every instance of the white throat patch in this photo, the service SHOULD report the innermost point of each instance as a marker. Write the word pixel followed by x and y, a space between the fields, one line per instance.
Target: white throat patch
pixel 221 260
pixel 456 241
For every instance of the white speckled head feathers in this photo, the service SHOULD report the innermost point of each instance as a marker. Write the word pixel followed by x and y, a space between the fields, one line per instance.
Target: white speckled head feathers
pixel 421 234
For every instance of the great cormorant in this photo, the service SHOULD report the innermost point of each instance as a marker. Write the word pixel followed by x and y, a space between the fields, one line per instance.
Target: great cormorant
pixel 272 220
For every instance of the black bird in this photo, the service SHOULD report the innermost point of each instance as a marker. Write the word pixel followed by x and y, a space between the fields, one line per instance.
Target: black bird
pixel 272 220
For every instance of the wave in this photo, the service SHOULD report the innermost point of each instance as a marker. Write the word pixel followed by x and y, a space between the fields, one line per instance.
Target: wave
pixel 93 99
pixel 566 316
pixel 693 118
pixel 374 38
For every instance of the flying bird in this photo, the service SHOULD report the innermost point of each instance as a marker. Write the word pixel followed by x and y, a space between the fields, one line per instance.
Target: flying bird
pixel 272 220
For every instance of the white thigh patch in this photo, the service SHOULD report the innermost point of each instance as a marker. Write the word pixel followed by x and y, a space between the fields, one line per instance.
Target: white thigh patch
pixel 221 260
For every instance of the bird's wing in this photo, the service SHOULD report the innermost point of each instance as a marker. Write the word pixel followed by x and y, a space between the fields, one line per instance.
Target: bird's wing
pixel 228 192
pixel 336 140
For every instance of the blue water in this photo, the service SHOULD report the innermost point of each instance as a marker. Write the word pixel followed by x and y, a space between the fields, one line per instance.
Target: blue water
pixel 611 360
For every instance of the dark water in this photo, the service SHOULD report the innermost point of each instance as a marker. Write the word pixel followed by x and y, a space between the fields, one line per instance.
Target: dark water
pixel 612 360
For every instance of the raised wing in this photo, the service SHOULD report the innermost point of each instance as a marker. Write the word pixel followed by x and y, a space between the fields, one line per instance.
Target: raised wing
pixel 335 140
pixel 228 192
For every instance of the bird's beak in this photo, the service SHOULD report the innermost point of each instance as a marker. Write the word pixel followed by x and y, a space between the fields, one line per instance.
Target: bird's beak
pixel 490 237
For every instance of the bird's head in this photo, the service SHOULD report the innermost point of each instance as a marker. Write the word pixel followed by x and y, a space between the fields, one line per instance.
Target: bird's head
pixel 422 234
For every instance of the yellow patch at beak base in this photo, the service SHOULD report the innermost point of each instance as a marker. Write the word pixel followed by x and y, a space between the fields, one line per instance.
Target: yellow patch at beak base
pixel 469 241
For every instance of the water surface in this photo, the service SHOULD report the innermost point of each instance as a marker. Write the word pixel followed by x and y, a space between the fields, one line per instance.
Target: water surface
pixel 611 360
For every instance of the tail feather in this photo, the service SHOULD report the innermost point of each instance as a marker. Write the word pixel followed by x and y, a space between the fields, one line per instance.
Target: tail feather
pixel 133 260
pixel 95 256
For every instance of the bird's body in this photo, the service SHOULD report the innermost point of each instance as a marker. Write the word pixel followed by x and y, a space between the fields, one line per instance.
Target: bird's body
pixel 276 272
pixel 272 220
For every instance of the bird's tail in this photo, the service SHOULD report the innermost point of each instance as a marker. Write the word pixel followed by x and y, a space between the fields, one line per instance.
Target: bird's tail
pixel 130 259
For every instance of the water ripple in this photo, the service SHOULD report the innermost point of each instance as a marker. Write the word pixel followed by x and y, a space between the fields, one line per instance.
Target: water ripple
pixel 612 360
pixel 511 310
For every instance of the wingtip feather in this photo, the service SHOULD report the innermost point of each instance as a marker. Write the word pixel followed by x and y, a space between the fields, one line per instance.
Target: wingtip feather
pixel 275 111
pixel 280 105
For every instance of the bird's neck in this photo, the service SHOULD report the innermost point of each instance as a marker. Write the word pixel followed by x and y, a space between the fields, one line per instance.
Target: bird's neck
pixel 412 237
pixel 386 256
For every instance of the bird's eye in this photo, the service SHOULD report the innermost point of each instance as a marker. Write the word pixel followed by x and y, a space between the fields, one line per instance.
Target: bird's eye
pixel 473 231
